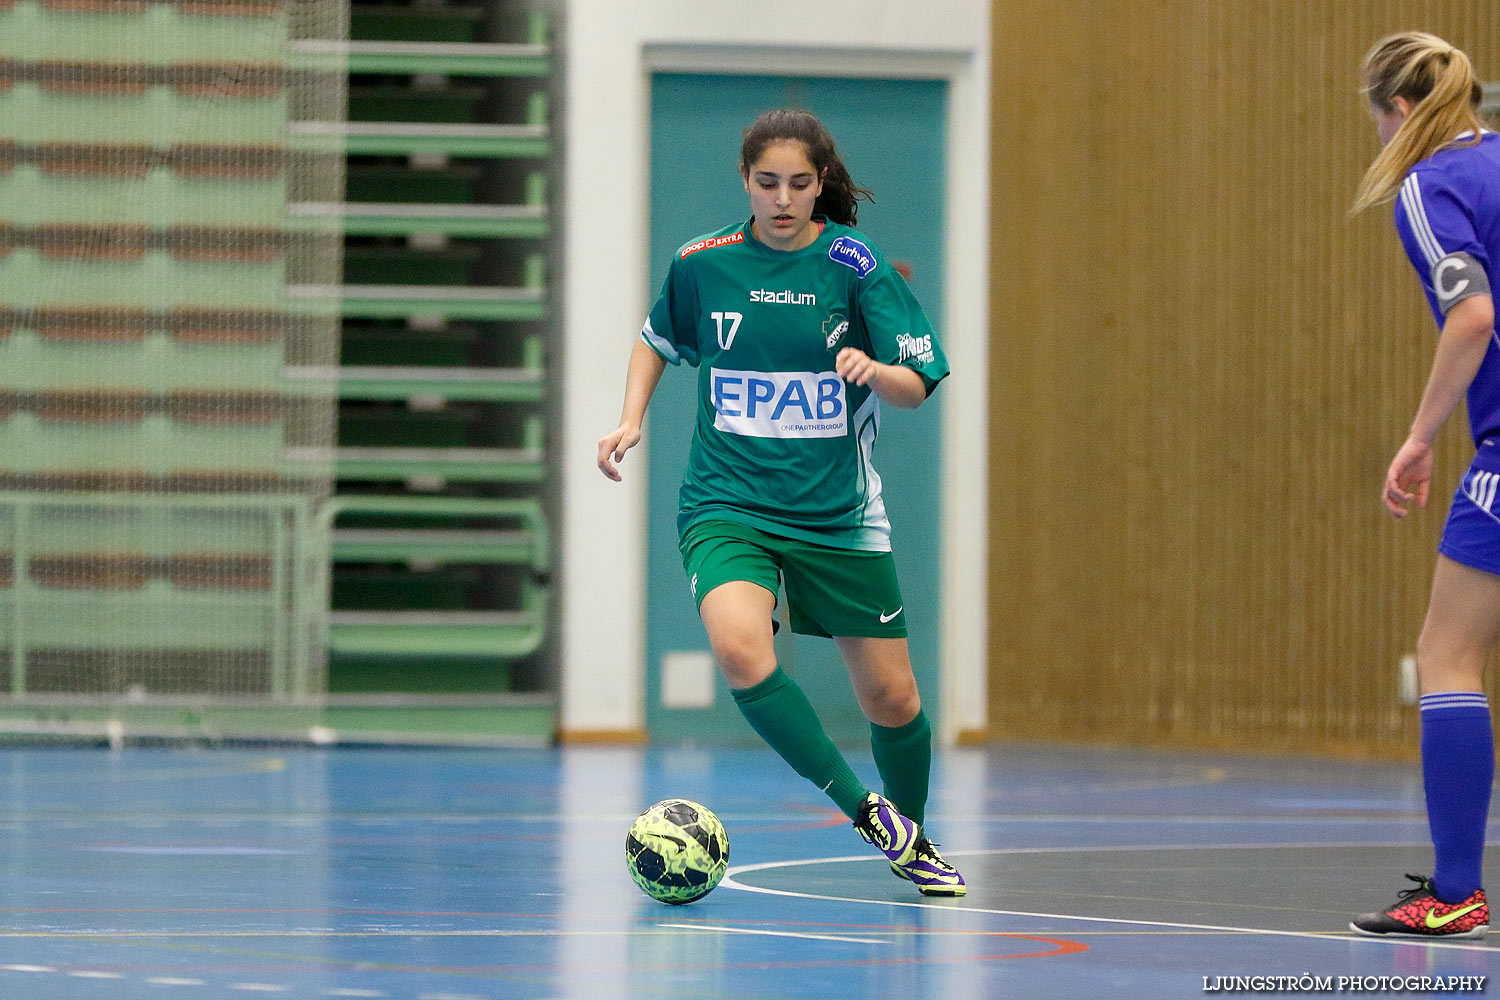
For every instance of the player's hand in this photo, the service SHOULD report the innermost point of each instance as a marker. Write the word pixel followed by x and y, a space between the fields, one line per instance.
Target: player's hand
pixel 614 445
pixel 1408 478
pixel 854 365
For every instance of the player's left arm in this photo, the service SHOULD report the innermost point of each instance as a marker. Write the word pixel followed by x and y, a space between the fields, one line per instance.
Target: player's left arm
pixel 1467 331
pixel 894 384
pixel 905 361
pixel 1435 225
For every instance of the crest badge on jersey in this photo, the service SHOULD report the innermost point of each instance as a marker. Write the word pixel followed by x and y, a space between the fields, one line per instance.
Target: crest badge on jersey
pixel 834 328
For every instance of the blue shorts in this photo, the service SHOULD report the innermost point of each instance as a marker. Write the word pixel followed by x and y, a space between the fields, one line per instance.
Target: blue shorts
pixel 1472 534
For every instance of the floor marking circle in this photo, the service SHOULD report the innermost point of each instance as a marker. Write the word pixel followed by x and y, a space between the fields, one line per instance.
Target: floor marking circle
pixel 1340 937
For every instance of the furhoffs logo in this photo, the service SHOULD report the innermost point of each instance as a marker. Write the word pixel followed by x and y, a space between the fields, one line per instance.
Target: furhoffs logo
pixel 852 253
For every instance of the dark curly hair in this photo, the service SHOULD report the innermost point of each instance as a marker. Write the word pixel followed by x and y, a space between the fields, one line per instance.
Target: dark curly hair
pixel 840 197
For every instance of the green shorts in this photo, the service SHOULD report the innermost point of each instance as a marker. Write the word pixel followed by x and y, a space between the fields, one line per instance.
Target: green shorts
pixel 829 591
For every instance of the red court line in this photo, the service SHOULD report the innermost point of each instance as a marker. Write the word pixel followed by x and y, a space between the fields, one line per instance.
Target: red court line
pixel 1060 947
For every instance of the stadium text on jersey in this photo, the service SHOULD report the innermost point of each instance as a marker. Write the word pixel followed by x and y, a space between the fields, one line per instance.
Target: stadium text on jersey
pixel 787 297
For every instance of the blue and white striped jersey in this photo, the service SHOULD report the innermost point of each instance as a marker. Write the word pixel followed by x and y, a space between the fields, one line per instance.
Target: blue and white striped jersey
pixel 1450 204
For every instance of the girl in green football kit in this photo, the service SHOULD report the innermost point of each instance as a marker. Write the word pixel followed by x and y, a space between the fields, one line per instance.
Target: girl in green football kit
pixel 799 328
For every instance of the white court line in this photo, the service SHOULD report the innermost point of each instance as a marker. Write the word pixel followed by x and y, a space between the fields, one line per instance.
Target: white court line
pixel 751 930
pixel 1333 936
pixel 113 820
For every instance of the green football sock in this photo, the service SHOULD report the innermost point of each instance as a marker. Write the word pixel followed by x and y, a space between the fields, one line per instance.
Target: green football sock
pixel 903 755
pixel 777 709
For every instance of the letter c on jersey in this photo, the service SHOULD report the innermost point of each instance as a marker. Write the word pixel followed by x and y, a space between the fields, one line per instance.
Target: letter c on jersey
pixel 1443 266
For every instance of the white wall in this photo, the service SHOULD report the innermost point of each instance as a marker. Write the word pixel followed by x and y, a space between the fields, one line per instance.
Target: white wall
pixel 610 49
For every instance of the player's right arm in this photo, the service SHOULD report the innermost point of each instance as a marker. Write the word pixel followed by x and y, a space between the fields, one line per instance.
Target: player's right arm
pixel 641 377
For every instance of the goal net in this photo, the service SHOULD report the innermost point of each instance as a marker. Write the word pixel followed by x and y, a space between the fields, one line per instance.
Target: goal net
pixel 159 548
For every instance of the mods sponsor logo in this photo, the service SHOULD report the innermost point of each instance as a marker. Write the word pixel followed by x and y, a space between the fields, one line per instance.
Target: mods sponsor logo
pixel 911 347
pixel 783 298
pixel 711 242
pixel 852 253
pixel 834 328
pixel 779 404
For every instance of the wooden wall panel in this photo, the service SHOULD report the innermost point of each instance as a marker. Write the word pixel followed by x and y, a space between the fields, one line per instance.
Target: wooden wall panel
pixel 1201 368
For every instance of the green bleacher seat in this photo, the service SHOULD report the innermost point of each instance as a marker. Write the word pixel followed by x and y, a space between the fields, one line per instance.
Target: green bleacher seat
pixel 480 634
pixel 402 265
pixel 475 385
pixel 441 465
pixel 378 179
pixel 383 102
pixel 425 632
pixel 441 302
pixel 392 343
pixel 400 528
pixel 461 221
pixel 422 545
pixel 384 425
pixel 410 138
pixel 381 588
pixel 449 59
pixel 418 23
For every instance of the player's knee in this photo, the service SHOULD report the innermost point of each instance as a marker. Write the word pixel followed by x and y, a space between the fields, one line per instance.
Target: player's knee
pixel 895 703
pixel 1444 659
pixel 743 657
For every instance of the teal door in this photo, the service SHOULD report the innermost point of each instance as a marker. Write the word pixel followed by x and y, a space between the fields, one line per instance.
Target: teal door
pixel 890 134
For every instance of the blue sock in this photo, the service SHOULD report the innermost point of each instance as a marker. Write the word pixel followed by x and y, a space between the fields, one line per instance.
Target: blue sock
pixel 1458 766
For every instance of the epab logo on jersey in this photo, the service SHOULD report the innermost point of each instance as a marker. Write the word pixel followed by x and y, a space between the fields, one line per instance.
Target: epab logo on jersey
pixel 852 253
pixel 779 404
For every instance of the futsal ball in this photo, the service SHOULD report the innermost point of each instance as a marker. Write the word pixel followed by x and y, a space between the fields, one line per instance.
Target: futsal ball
pixel 676 851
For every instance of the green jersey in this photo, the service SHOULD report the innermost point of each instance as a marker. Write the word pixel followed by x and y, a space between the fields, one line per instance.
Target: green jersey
pixel 781 442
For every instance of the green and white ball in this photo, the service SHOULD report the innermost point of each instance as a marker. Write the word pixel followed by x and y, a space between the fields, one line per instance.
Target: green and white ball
pixel 676 851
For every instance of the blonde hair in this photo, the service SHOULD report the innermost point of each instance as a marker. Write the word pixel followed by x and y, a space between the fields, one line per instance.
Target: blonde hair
pixel 1439 81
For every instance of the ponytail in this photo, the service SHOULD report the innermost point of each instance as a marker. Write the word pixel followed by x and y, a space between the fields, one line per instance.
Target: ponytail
pixel 1439 81
pixel 840 197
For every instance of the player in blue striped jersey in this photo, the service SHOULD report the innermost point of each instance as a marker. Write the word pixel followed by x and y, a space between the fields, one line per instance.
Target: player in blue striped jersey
pixel 1443 169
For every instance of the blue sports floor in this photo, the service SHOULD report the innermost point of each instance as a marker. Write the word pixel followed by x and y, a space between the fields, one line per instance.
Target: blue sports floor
pixel 482 875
